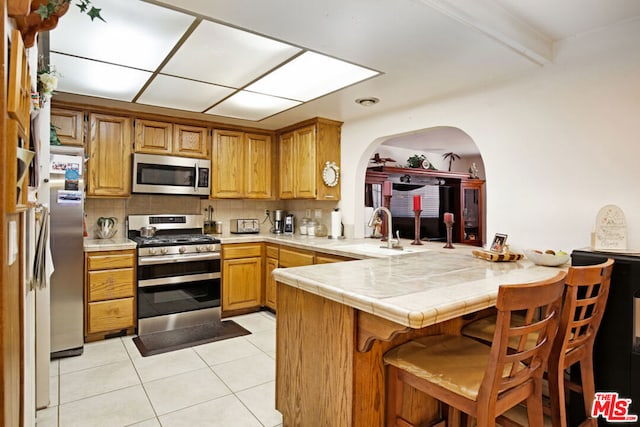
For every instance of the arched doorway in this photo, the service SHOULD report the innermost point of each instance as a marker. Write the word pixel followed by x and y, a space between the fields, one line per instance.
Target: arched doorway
pixel 452 181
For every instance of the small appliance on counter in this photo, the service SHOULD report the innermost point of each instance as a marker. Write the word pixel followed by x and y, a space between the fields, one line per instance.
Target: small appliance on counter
pixel 289 224
pixel 278 221
pixel 245 226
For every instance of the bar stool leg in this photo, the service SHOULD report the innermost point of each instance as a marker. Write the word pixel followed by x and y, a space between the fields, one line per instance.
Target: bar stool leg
pixel 588 388
pixel 534 407
pixel 556 394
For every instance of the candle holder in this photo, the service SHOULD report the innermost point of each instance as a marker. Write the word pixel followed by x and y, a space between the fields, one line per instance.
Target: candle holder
pixel 386 202
pixel 416 226
pixel 449 225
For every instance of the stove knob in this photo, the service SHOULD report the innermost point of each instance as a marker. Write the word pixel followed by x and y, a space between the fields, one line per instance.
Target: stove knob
pixel 163 251
pixel 201 248
pixel 181 249
pixel 152 251
pixel 209 248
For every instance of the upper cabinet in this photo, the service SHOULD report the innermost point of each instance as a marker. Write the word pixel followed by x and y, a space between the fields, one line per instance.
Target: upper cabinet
pixel 310 160
pixel 69 125
pixel 153 137
pixel 109 149
pixel 190 141
pixel 241 164
pixel 156 137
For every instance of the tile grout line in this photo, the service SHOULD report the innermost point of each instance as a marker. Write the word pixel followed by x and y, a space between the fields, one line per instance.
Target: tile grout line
pixel 144 389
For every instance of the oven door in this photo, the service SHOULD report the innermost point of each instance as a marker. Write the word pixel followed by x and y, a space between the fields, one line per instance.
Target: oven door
pixel 170 175
pixel 176 291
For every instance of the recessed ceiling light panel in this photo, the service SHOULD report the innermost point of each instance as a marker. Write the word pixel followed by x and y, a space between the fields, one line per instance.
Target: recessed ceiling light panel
pixel 227 56
pixel 174 92
pixel 93 78
pixel 137 34
pixel 251 106
pixel 309 76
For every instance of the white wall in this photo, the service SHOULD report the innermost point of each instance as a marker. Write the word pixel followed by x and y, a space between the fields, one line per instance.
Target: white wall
pixel 557 144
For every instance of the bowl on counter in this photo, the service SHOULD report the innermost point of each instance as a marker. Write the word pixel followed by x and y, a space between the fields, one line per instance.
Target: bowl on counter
pixel 548 260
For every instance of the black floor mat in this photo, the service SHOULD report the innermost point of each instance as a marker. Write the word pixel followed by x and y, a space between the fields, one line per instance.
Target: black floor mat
pixel 162 342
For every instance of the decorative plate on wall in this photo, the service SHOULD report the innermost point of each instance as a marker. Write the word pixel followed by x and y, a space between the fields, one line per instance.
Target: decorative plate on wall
pixel 331 174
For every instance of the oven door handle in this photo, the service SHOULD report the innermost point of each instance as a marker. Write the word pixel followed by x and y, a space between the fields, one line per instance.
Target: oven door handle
pixel 168 281
pixel 182 258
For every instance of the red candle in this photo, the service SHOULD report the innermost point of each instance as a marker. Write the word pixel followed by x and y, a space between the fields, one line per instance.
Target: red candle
pixel 417 202
pixel 448 217
pixel 386 188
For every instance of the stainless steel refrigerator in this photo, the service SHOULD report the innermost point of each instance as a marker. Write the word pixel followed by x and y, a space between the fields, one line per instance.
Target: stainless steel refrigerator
pixel 66 183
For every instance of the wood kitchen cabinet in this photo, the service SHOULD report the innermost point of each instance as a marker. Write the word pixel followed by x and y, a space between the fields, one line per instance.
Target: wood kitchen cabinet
pixel 190 141
pixel 241 277
pixel 109 149
pixel 322 258
pixel 305 150
pixel 110 293
pixel 293 257
pixel 272 254
pixel 284 257
pixel 242 165
pixel 471 203
pixel 157 137
pixel 153 137
pixel 69 125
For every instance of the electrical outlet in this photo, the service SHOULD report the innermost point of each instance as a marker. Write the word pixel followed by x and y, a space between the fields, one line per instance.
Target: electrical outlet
pixel 266 212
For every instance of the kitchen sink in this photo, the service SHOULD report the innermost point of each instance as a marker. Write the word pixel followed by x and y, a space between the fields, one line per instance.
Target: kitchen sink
pixel 375 249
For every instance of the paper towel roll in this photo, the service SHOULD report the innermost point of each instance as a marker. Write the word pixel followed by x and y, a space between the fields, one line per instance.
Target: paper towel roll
pixel 368 231
pixel 336 223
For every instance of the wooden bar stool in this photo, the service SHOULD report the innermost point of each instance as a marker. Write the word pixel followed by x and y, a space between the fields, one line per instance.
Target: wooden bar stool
pixel 473 378
pixel 585 299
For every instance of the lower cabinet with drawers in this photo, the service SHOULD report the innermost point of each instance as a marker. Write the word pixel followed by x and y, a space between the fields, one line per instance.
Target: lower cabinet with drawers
pixel 110 289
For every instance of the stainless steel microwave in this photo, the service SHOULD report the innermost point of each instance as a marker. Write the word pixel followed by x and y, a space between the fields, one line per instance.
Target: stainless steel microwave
pixel 154 173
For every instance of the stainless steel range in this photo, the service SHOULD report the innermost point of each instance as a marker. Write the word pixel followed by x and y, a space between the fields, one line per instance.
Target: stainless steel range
pixel 178 272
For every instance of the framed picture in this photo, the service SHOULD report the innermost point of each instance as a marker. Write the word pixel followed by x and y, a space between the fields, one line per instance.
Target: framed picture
pixel 498 243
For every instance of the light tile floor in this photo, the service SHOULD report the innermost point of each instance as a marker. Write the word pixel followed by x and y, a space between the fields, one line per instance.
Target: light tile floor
pixel 224 383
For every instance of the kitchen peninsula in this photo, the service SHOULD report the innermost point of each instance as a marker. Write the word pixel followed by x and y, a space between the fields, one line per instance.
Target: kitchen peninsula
pixel 336 321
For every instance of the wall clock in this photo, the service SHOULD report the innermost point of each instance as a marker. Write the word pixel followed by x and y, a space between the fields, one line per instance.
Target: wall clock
pixel 331 174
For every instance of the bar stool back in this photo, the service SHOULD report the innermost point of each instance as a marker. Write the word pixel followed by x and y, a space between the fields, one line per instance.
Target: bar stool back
pixel 473 378
pixel 587 289
pixel 585 299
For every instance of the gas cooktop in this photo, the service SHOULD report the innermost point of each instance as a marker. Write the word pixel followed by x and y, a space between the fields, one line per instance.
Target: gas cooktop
pixel 176 239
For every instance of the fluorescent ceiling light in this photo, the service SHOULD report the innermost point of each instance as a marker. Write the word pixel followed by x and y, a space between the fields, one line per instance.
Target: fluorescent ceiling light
pixel 136 34
pixel 227 56
pixel 242 74
pixel 252 106
pixel 309 76
pixel 174 92
pixel 92 78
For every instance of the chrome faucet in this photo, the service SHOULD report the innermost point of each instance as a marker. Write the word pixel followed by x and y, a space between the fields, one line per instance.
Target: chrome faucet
pixel 390 241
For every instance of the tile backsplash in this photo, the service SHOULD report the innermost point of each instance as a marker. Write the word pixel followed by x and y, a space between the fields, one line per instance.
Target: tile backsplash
pixel 224 210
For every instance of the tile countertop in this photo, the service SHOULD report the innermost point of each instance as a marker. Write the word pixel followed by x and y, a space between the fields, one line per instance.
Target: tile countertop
pixel 354 248
pixel 119 243
pixel 417 289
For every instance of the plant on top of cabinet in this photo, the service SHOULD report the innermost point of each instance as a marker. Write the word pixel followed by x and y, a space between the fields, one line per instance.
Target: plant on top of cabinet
pixel 156 137
pixel 241 164
pixel 310 160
